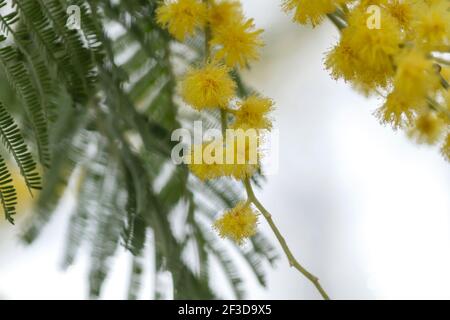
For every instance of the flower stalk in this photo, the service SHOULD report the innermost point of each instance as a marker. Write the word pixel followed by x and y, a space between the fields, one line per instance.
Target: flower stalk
pixel 293 262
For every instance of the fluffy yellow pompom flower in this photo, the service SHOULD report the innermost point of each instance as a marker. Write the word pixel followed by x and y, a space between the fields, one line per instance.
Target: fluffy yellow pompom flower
pixel 374 47
pixel 396 111
pixel 223 13
pixel 206 161
pixel 311 11
pixel 432 28
pixel 363 55
pixel 238 42
pixel 253 113
pixel 208 87
pixel 181 17
pixel 414 80
pixel 238 159
pixel 342 62
pixel 445 149
pixel 209 171
pixel 403 11
pixel 427 128
pixel 238 224
pixel 243 158
pixel 415 77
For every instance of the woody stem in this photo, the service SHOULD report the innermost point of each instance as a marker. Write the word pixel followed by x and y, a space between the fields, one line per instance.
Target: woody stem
pixel 292 261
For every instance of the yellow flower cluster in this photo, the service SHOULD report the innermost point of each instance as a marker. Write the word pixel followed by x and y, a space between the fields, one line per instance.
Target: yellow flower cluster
pixel 311 11
pixel 217 159
pixel 182 17
pixel 208 87
pixel 399 49
pixel 233 38
pixel 231 42
pixel 238 223
pixel 253 113
pixel 237 42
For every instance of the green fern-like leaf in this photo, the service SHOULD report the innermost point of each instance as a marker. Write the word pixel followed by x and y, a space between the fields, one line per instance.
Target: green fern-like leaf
pixel 15 143
pixel 101 109
pixel 8 195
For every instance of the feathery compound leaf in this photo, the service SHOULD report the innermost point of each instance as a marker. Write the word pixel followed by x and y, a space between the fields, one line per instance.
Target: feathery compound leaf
pixel 8 195
pixel 105 107
pixel 15 143
pixel 20 80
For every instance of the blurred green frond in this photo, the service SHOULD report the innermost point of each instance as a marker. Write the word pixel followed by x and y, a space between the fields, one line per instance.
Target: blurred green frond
pixel 97 109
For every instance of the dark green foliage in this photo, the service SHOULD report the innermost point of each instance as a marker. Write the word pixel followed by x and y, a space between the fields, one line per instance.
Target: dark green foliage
pixel 8 194
pixel 15 144
pixel 100 109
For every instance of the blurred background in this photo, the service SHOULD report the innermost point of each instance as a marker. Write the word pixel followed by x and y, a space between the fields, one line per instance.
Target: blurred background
pixel 362 207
